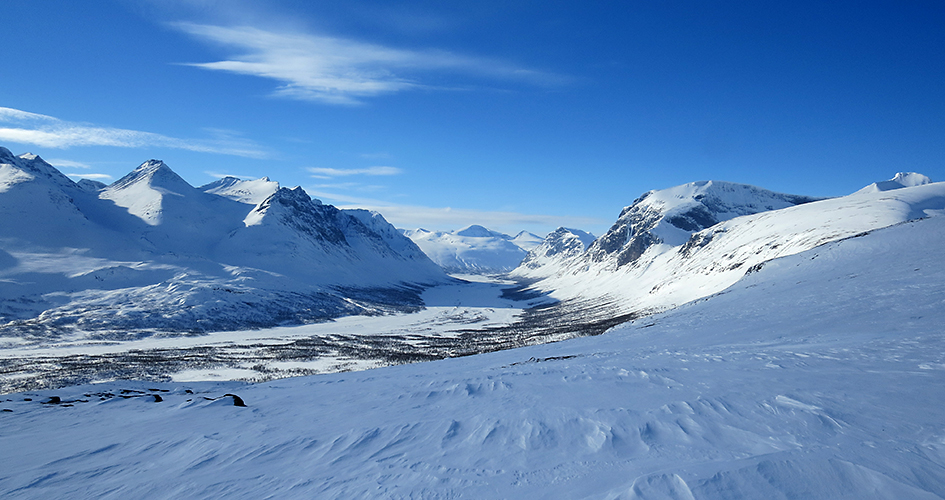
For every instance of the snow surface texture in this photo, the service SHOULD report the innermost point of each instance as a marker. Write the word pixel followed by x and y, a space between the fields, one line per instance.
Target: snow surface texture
pixel 152 253
pixel 677 245
pixel 818 376
pixel 474 249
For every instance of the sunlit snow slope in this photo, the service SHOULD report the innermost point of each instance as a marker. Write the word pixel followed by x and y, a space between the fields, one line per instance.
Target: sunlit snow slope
pixel 818 376
pixel 684 243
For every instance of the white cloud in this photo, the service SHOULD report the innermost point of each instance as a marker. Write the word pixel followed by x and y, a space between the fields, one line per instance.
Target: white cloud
pixel 328 173
pixel 341 71
pixel 50 132
pixel 67 163
pixel 375 156
pixel 90 176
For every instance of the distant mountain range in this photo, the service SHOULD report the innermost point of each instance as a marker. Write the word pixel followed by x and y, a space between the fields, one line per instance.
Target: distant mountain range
pixel 152 252
pixel 474 249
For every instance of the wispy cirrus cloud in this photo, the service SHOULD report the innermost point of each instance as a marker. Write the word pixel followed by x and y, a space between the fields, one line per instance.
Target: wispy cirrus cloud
pixel 56 162
pixel 328 173
pixel 46 131
pixel 90 176
pixel 336 70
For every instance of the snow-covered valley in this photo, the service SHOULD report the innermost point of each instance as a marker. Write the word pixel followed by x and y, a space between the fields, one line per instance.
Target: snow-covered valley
pixel 818 376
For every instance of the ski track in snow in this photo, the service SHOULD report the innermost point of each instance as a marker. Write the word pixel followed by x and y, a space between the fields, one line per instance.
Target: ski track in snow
pixel 818 377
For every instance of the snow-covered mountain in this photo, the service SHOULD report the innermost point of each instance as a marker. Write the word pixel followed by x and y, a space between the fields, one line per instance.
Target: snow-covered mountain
pixel 560 249
pixel 150 251
pixel 527 241
pixel 474 249
pixel 246 191
pixel 676 245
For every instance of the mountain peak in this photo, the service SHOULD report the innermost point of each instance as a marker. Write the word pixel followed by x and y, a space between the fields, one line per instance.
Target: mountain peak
pixel 37 166
pixel 144 190
pixel 156 174
pixel 477 231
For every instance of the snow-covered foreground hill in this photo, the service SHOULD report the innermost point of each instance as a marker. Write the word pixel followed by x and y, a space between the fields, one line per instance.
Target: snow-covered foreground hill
pixel 818 376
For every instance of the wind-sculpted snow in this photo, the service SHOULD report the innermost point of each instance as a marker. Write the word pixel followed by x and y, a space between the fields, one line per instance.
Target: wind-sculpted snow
pixel 150 253
pixel 818 376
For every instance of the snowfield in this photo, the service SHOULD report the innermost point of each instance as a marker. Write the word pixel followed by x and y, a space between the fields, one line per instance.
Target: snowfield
pixel 818 376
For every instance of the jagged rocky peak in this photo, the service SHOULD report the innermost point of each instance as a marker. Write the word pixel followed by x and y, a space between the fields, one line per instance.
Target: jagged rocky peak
pixel 294 208
pixel 563 243
pixel 670 216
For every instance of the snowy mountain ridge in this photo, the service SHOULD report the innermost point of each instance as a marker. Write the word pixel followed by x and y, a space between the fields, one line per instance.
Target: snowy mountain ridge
pixel 677 245
pixel 151 252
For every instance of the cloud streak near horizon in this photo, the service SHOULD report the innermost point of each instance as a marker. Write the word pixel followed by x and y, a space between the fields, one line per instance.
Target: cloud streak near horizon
pixel 336 70
pixel 328 173
pixel 440 218
pixel 46 131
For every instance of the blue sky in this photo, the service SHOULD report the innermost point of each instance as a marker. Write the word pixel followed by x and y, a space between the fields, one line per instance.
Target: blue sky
pixel 514 115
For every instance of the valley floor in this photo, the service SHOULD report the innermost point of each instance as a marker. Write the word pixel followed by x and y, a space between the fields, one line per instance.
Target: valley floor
pixel 818 377
pixel 452 316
